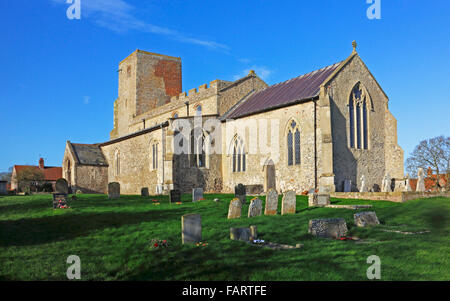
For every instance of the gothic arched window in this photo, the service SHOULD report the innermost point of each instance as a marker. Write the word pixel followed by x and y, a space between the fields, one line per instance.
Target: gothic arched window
pixel 198 110
pixel 238 155
pixel 198 156
pixel 155 156
pixel 117 162
pixel 293 143
pixel 358 123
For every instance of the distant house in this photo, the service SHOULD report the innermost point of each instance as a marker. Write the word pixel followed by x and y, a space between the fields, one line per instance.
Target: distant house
pixel 430 181
pixel 51 174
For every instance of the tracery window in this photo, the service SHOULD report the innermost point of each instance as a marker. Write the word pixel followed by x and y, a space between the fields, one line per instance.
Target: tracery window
pixel 293 143
pixel 239 164
pixel 358 118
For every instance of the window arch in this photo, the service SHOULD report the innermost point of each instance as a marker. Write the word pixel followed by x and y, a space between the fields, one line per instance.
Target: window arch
pixel 198 110
pixel 198 155
pixel 358 117
pixel 117 162
pixel 238 158
pixel 175 115
pixel 293 143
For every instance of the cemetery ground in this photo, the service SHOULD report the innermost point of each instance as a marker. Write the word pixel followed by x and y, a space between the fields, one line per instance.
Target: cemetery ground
pixel 113 240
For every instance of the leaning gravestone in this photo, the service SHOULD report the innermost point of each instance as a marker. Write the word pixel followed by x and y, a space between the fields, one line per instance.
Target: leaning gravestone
pixel 271 202
pixel 420 180
pixel 255 208
pixel 240 192
pixel 197 194
pixel 191 228
pixel 363 184
pixel 144 191
pixel 235 209
pixel 243 234
pixel 328 228
pixel 318 200
pixel 61 186
pixel 386 184
pixel 364 219
pixel 288 202
pixel 175 196
pixel 113 190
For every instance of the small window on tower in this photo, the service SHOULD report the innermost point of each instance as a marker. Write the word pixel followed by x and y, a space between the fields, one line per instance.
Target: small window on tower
pixel 129 71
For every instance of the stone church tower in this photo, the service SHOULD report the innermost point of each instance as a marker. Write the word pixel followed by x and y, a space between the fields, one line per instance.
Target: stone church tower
pixel 318 130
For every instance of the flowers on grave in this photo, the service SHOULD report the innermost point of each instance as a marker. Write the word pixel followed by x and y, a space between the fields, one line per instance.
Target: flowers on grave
pixel 158 243
pixel 155 201
pixel 201 244
pixel 345 238
pixel 202 199
pixel 62 205
pixel 179 203
pixel 156 204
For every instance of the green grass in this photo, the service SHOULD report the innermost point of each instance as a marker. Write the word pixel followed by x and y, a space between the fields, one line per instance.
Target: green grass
pixel 112 239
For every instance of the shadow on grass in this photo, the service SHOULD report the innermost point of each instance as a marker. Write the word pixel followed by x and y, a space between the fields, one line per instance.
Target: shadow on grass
pixel 68 226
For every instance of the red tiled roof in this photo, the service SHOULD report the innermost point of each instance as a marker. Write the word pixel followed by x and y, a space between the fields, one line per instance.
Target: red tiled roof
pixel 50 173
pixel 297 89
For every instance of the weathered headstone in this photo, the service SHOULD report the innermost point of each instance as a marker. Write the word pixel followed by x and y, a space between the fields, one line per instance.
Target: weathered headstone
pixel 197 194
pixel 61 186
pixel 367 218
pixel 363 184
pixel 407 187
pixel 253 232
pixel 386 184
pixel 420 180
pixel 254 189
pixel 144 191
pixel 114 190
pixel 288 203
pixel 235 209
pixel 175 196
pixel 347 186
pixel 318 200
pixel 271 202
pixel 255 208
pixel 328 228
pixel 243 234
pixel 240 192
pixel 191 228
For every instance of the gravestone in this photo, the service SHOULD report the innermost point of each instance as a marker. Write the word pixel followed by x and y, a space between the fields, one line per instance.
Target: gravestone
pixel 271 202
pixel 253 232
pixel 347 186
pixel 144 191
pixel 197 194
pixel 159 189
pixel 240 192
pixel 61 186
pixel 386 184
pixel 420 180
pixel 59 197
pixel 175 196
pixel 328 228
pixel 242 234
pixel 288 202
pixel 113 190
pixel 407 184
pixel 367 218
pixel 363 184
pixel 254 189
pixel 235 209
pixel 191 228
pixel 318 200
pixel 255 208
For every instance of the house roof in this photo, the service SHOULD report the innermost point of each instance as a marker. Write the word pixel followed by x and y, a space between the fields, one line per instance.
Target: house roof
pixel 88 154
pixel 304 87
pixel 50 173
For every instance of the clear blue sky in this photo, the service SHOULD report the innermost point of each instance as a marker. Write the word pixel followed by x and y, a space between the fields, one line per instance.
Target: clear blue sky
pixel 59 78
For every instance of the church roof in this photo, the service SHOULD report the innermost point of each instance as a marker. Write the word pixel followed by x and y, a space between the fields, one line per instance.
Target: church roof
pixel 301 88
pixel 89 154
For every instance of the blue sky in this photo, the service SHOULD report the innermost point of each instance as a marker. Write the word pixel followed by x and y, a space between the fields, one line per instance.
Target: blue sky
pixel 59 78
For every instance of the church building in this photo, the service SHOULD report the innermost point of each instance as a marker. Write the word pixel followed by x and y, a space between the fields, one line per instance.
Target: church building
pixel 315 131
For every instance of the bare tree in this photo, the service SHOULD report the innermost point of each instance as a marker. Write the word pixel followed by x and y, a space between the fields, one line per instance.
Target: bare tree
pixel 433 153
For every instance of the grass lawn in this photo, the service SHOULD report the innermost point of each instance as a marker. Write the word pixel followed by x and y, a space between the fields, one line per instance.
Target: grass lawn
pixel 112 239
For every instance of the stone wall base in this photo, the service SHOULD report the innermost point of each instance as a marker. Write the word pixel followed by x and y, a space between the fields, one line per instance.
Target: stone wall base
pixel 397 196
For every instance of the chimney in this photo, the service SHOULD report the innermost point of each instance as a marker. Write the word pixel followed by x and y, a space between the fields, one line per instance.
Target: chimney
pixel 41 163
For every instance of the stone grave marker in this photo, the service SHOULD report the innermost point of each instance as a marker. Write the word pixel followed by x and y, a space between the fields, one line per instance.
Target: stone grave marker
pixel 240 192
pixel 191 228
pixel 328 228
pixel 175 196
pixel 113 190
pixel 235 209
pixel 144 191
pixel 61 186
pixel 288 203
pixel 386 184
pixel 347 186
pixel 363 184
pixel 407 184
pixel 420 180
pixel 255 208
pixel 243 234
pixel 367 218
pixel 197 194
pixel 271 202
pixel 318 200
